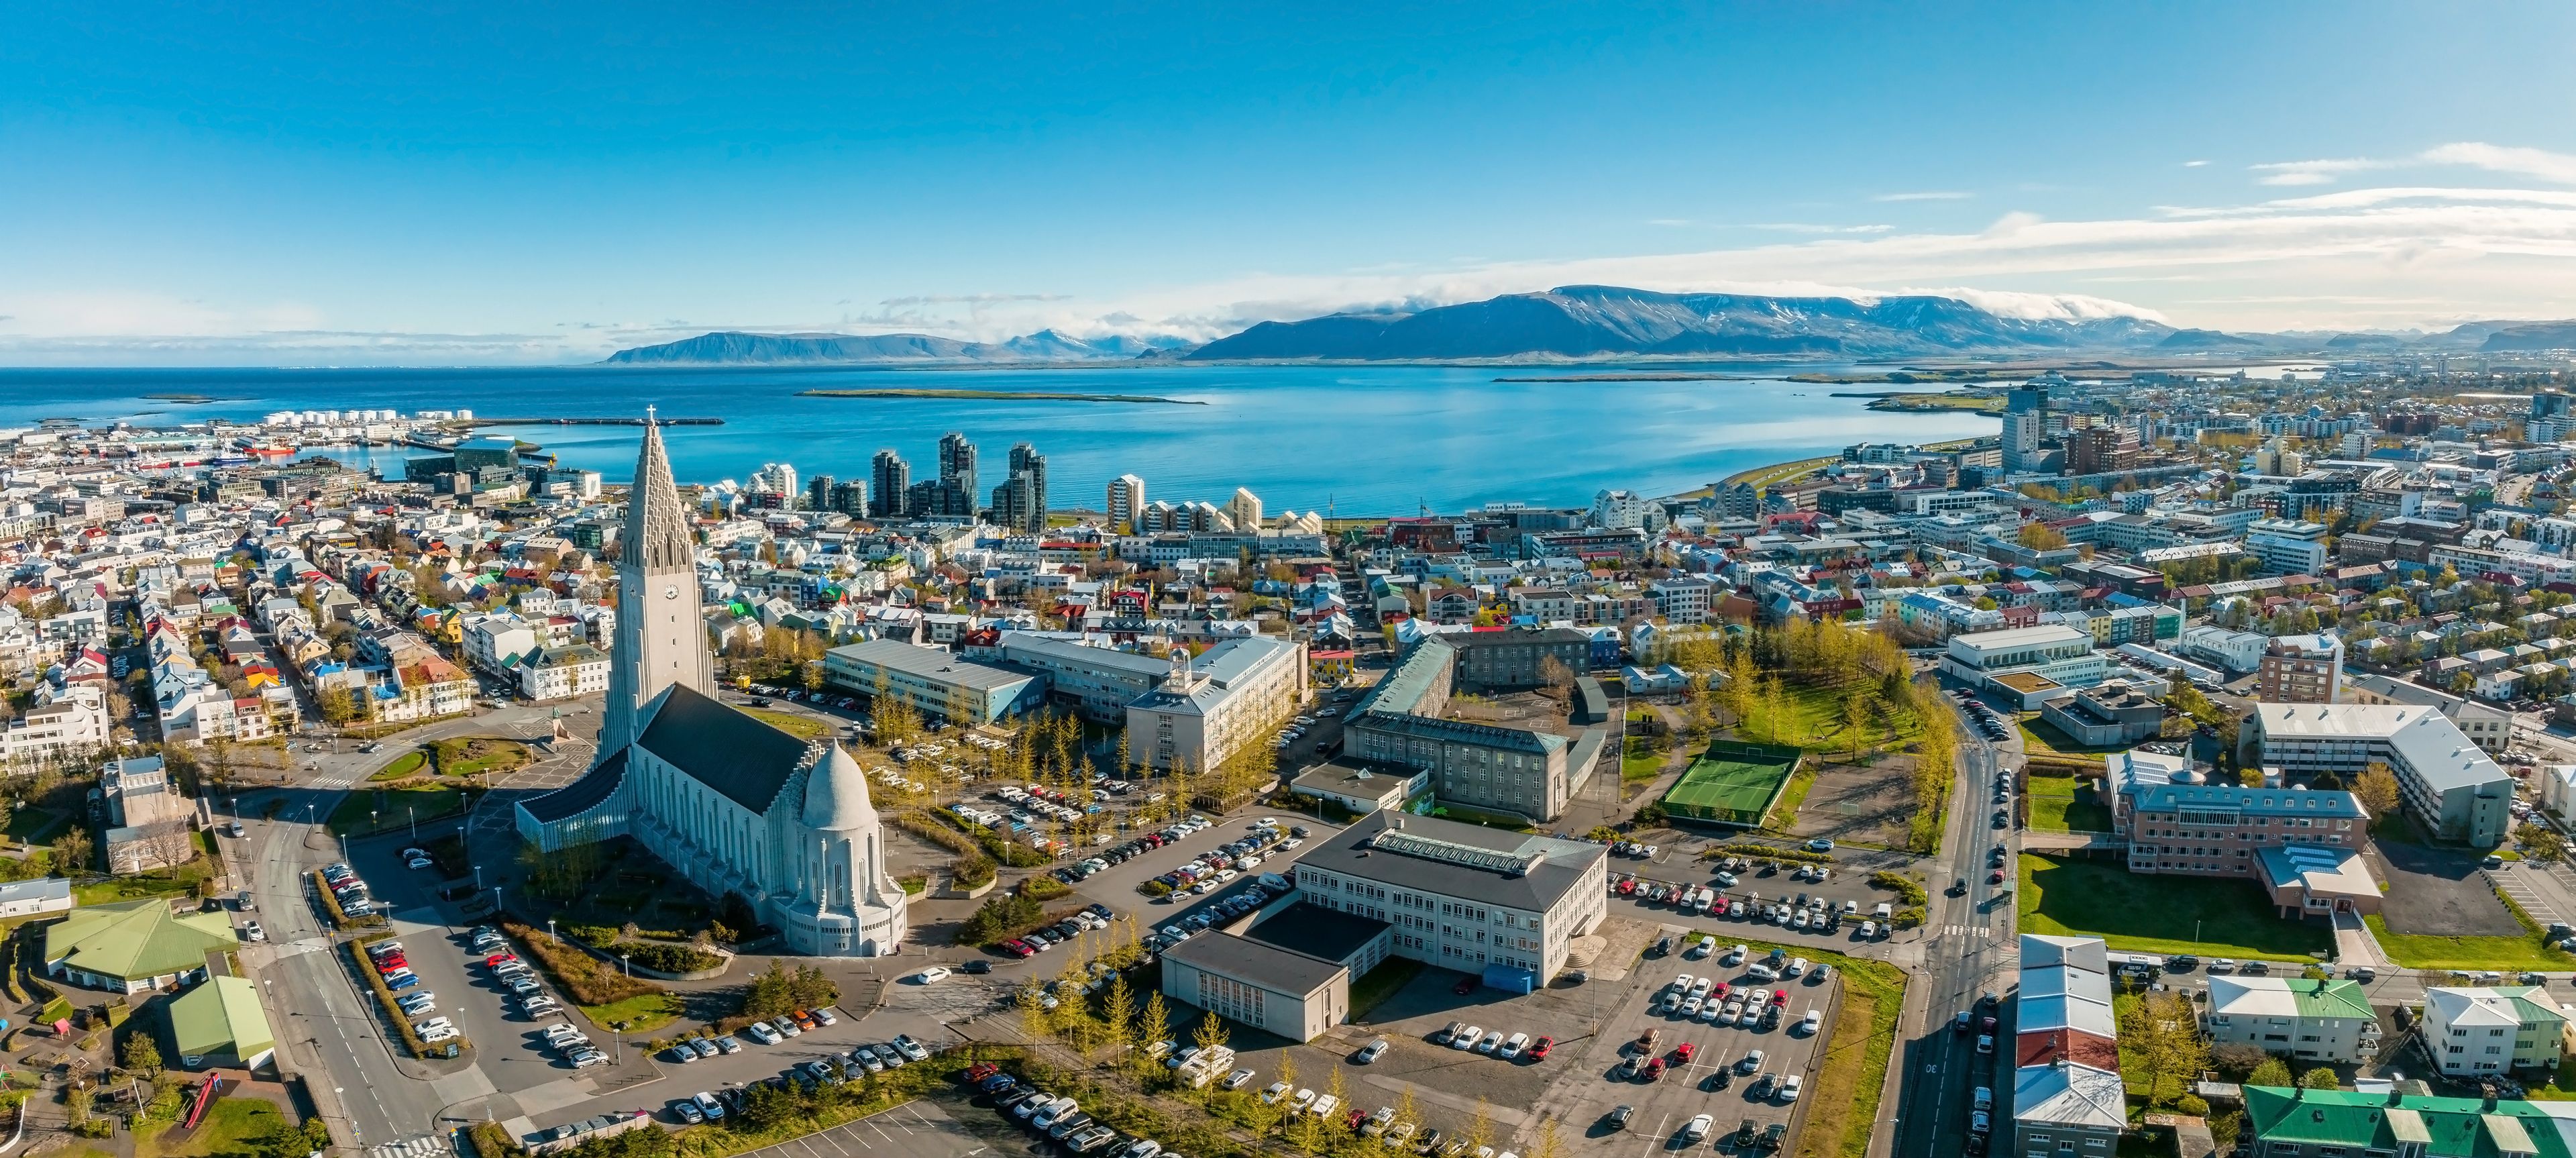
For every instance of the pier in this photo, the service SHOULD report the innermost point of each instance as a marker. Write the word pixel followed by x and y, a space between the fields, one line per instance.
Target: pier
pixel 583 422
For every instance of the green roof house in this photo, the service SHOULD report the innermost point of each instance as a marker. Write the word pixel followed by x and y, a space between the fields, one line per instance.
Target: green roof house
pixel 134 946
pixel 2292 1123
pixel 220 1023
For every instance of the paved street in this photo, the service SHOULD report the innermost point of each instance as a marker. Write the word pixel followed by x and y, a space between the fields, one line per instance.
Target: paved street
pixel 1972 952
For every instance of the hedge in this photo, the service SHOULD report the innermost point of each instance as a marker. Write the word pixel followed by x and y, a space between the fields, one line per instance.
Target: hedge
pixel 578 974
pixel 331 905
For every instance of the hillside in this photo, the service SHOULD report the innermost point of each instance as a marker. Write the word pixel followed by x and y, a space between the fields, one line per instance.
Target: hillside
pixel 738 348
pixel 1608 321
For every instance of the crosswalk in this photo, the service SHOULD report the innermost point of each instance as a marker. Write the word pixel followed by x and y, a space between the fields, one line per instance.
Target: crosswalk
pixel 1971 931
pixel 424 1146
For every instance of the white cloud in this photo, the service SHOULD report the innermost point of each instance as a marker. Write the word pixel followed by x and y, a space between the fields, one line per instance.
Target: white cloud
pixel 2298 177
pixel 2540 163
pixel 2193 164
pixel 1927 195
pixel 1799 227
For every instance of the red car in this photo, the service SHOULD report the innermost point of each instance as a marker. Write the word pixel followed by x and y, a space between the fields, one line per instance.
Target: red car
pixel 1682 1053
pixel 981 1070
pixel 391 961
pixel 1996 877
pixel 1015 947
pixel 1464 987
pixel 497 960
pixel 1718 994
pixel 1356 1118
pixel 1538 1050
pixel 1779 997
pixel 1654 1070
pixel 1628 887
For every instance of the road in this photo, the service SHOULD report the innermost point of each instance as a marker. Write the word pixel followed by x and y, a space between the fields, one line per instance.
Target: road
pixel 327 1027
pixel 1969 953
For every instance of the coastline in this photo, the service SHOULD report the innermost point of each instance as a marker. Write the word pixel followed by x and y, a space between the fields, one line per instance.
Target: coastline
pixel 995 395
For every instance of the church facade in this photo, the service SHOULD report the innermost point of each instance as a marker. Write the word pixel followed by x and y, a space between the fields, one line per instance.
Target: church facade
pixel 734 804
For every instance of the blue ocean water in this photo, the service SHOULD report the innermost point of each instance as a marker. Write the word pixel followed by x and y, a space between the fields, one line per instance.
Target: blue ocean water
pixel 1357 440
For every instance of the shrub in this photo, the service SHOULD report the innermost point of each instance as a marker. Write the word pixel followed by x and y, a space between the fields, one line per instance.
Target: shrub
pixel 577 973
pixel 1904 886
pixel 1044 888
pixel 2192 1104
pixel 972 871
pixel 666 957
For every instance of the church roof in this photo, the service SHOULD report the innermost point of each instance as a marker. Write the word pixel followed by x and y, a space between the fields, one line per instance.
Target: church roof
pixel 722 747
pixel 581 795
pixel 836 795
pixel 657 525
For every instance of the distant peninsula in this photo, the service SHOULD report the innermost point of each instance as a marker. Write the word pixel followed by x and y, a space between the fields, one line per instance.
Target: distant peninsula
pixel 996 395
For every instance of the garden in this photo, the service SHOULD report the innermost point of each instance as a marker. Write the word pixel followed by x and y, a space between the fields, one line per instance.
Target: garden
pixel 2149 913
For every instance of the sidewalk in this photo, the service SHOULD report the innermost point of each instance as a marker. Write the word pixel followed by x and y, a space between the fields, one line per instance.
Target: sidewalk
pixel 2354 944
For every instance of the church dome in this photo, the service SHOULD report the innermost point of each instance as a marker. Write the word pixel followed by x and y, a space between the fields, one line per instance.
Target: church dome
pixel 836 795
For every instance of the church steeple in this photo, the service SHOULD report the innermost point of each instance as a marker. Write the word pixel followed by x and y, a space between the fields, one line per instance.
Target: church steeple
pixel 660 640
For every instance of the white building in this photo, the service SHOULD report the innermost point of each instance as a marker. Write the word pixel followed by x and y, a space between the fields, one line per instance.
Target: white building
pixel 2288 546
pixel 2450 786
pixel 2318 1021
pixel 554 673
pixel 731 802
pixel 1206 709
pixel 1244 510
pixel 2487 726
pixel 2475 1032
pixel 1126 501
pixel 1624 511
pixel 2240 652
pixel 1463 896
pixel 2018 658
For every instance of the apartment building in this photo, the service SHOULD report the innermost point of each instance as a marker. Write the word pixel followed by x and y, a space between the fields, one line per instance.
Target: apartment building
pixel 2287 546
pixel 2309 1020
pixel 2301 669
pixel 554 673
pixel 2447 783
pixel 1463 896
pixel 2477 1032
pixel 934 681
pixel 2067 1097
pixel 1096 682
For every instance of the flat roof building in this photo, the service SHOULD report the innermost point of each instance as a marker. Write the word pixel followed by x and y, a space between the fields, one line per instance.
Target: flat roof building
pixel 936 682
pixel 1289 974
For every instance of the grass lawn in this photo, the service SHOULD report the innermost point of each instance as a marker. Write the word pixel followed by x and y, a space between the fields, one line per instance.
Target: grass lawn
pixel 2066 804
pixel 475 755
pixel 411 763
pixel 36 825
pixel 1813 719
pixel 1381 983
pixel 157 883
pixel 2041 737
pixel 2561 1086
pixel 2158 914
pixel 1633 768
pixel 796 724
pixel 228 1127
pixel 2504 954
pixel 642 1013
pixel 393 809
pixel 1784 815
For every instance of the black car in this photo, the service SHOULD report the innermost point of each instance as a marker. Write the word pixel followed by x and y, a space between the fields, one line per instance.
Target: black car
pixel 978 965
pixel 1619 1117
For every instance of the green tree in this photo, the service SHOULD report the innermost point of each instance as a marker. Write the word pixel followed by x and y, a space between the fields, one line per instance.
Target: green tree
pixel 2273 1072
pixel 2320 1078
pixel 141 1055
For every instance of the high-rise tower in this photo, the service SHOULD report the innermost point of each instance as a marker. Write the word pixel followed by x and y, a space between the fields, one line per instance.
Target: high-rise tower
pixel 660 640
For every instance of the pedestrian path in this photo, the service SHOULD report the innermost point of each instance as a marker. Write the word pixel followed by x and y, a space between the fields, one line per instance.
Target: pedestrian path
pixel 1968 931
pixel 2354 944
pixel 424 1146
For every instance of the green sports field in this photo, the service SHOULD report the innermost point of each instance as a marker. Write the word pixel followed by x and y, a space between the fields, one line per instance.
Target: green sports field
pixel 1732 783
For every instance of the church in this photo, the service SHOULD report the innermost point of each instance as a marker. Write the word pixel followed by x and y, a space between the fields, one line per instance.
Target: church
pixel 734 804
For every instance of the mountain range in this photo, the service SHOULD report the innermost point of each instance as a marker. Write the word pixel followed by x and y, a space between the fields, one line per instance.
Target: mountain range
pixel 1608 322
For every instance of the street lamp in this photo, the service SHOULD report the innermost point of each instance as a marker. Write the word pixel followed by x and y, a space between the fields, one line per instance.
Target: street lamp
pixel 626 965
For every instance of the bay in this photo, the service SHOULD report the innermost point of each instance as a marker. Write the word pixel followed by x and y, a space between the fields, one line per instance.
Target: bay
pixel 1357 440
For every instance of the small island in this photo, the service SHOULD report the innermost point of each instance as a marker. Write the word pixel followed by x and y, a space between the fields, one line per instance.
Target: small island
pixel 994 395
pixel 189 399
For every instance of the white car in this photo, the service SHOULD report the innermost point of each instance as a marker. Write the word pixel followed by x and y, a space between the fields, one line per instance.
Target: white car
pixel 1271 1094
pixel 932 975
pixel 1691 1006
pixel 1809 1024
pixel 1513 1046
pixel 1698 1128
pixel 1237 1080
pixel 1323 1107
pixel 1735 956
pixel 1467 1038
pixel 760 1032
pixel 1788 1089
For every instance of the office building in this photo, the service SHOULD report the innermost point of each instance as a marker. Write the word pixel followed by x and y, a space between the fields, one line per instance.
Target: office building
pixel 2031 664
pixel 938 498
pixel 818 492
pixel 1290 973
pixel 2447 783
pixel 2301 669
pixel 1482 900
pixel 2288 546
pixel 2025 426
pixel 1126 503
pixel 851 498
pixel 2318 1021
pixel 889 483
pixel 1096 682
pixel 1522 754
pixel 936 682
pixel 2066 1097
pixel 2102 450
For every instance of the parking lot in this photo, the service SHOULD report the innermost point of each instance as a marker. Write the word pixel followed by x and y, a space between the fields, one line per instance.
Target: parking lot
pixel 915 1129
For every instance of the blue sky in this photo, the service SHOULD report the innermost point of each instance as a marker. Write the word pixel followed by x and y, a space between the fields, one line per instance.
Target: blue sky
pixel 409 184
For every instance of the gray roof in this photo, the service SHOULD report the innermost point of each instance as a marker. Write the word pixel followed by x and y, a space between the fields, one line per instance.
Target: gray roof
pixel 1315 931
pixel 1030 648
pixel 1348 853
pixel 1254 962
pixel 931 663
pixel 1410 681
pixel 581 795
pixel 1556 635
pixel 1485 735
pixel 723 748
